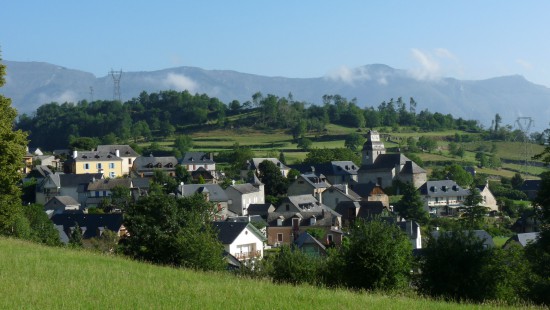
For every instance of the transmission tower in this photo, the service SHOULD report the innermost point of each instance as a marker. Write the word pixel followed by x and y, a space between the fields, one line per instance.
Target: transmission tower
pixel 116 80
pixel 524 124
pixel 91 94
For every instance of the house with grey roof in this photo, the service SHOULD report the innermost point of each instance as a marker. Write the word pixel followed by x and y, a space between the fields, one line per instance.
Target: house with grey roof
pixel 240 239
pixel 47 160
pixel 62 204
pixel 91 225
pixel 480 234
pixel 382 169
pixel 62 184
pixel 242 195
pixel 260 209
pixel 145 166
pixel 521 239
pixel 336 172
pixel 212 193
pixel 296 214
pixel 443 197
pixel 353 210
pixel 335 194
pixel 311 184
pixel 99 190
pixel 195 160
pixel 124 151
pixel 82 162
pixel 310 245
pixel 530 188
pixel 254 164
pixel 370 192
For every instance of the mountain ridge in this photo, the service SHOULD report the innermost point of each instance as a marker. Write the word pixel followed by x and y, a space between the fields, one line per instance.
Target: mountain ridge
pixel 31 84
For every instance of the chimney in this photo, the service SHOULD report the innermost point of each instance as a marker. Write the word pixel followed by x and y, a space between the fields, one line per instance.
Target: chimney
pixel 117 153
pixel 75 154
pixel 181 188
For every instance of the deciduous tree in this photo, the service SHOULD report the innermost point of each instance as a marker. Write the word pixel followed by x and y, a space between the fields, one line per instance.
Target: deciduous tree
pixel 12 150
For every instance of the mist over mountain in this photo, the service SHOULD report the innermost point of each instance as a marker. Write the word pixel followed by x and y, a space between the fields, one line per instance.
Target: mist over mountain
pixel 31 84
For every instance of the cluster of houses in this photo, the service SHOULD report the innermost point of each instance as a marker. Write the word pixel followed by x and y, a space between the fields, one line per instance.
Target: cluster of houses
pixel 323 200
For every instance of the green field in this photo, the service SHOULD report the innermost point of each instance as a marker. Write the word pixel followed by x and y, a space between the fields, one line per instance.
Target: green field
pixel 38 277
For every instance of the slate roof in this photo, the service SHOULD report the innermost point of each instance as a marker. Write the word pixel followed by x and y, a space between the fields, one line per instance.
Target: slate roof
pixel 216 193
pixel 367 209
pixel 94 156
pixel 93 222
pixel 316 181
pixel 342 188
pixel 365 189
pixel 260 208
pixel 196 158
pixel 61 201
pixel 480 234
pixel 255 163
pixel 150 163
pixel 308 207
pixel 306 238
pixel 524 239
pixel 124 150
pixel 229 231
pixel 389 161
pixel 39 172
pixel 109 184
pixel 143 183
pixel 330 168
pixel 73 180
pixel 530 185
pixel 246 188
pixel 443 188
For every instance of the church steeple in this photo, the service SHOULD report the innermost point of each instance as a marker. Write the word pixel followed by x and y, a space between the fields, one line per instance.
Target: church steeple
pixel 372 148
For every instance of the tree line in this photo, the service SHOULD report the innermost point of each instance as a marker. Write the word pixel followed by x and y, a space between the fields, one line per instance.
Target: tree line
pixel 54 125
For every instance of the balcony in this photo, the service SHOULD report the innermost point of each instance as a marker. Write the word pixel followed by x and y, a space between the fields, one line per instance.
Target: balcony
pixel 248 255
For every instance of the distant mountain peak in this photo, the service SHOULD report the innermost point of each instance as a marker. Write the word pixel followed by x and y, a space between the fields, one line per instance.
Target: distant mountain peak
pixel 31 84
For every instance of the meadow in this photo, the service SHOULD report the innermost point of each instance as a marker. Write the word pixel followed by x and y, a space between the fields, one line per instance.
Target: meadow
pixel 39 277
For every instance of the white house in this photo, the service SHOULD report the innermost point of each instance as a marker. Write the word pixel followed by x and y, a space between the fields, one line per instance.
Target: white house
pixel 241 239
pixel 243 195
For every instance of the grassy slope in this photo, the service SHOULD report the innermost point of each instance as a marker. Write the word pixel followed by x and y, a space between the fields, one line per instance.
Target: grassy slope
pixel 34 276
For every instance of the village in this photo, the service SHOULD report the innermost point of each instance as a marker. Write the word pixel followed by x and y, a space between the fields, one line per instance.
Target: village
pixel 322 202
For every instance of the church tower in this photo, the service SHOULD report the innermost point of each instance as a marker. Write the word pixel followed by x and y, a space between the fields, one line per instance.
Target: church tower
pixel 372 148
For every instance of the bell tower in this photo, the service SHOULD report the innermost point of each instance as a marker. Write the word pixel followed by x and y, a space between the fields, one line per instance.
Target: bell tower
pixel 372 148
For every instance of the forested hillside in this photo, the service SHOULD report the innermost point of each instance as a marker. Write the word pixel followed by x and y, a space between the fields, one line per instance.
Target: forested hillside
pixel 162 114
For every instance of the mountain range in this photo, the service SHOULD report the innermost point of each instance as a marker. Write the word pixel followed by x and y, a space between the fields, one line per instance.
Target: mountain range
pixel 31 84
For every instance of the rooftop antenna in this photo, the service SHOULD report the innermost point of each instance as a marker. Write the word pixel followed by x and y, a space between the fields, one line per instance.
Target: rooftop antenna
pixel 524 124
pixel 116 80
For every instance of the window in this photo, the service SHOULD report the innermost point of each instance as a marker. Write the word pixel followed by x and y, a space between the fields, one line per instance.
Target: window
pixel 279 237
pixel 112 175
pixel 86 166
pixel 287 207
pixel 129 161
pixel 295 223
pixel 98 166
pixel 111 165
pixel 330 238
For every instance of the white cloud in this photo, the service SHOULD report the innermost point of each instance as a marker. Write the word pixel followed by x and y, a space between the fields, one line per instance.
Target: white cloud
pixel 524 64
pixel 435 64
pixel 66 96
pixel 348 75
pixel 179 82
pixel 428 69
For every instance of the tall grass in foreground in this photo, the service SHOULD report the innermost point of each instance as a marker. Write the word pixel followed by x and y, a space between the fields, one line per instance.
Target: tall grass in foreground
pixel 33 276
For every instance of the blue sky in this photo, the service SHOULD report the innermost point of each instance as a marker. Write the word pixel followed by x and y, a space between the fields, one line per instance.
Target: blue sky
pixel 431 39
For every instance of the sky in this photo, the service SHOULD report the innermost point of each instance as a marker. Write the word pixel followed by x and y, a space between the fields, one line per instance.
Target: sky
pixel 469 40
